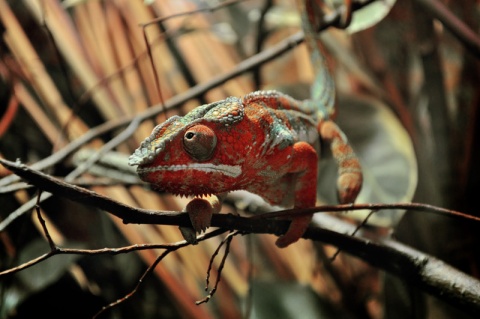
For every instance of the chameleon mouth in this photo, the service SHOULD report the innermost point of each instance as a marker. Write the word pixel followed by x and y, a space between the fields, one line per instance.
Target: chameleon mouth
pixel 228 170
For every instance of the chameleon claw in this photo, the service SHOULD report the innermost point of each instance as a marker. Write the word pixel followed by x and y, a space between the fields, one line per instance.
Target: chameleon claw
pixel 200 213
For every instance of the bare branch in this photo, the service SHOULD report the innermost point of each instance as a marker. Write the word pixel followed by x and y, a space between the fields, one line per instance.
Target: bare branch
pixel 151 268
pixel 226 241
pixel 51 243
pixel 414 267
pixel 104 251
pixel 144 216
pixel 83 195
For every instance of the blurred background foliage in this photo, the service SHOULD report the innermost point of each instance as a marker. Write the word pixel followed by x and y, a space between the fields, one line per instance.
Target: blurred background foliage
pixel 407 98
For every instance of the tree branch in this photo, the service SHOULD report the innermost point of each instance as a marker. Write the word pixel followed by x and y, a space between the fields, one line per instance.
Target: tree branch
pixel 145 216
pixel 414 267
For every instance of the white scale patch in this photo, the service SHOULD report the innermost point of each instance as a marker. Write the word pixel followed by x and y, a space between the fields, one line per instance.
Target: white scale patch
pixel 229 170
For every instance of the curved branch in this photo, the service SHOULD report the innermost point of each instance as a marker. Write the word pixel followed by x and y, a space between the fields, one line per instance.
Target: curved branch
pixel 145 216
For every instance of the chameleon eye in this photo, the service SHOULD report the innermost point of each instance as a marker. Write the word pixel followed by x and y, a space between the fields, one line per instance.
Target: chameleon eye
pixel 199 142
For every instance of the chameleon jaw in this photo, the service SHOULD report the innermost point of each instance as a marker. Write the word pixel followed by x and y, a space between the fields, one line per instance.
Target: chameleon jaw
pixel 228 170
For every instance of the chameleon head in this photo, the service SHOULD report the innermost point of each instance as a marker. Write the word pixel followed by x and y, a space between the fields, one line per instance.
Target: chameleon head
pixel 185 155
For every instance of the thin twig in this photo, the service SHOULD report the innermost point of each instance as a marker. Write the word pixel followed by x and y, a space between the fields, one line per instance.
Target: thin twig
pixel 151 268
pixel 215 253
pixel 154 69
pixel 137 286
pixel 370 206
pixel 198 10
pixel 75 106
pixel 102 251
pixel 51 243
pixel 363 223
pixel 228 241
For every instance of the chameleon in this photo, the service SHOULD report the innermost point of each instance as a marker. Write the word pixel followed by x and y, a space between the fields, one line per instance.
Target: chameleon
pixel 265 142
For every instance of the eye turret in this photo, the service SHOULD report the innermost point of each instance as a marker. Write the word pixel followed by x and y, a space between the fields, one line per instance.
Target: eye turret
pixel 199 142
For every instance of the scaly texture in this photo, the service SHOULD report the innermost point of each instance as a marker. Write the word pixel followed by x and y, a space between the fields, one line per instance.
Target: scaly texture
pixel 263 143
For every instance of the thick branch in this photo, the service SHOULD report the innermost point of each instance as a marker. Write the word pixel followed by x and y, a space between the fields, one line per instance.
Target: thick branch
pixel 82 195
pixel 416 268
pixel 144 216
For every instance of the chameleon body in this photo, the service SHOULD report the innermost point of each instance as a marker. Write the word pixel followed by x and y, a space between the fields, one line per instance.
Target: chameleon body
pixel 263 143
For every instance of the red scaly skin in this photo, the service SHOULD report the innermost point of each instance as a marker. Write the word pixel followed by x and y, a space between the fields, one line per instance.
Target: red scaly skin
pixel 262 143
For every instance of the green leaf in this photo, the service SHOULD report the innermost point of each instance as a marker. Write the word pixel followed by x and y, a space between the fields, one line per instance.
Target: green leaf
pixel 367 16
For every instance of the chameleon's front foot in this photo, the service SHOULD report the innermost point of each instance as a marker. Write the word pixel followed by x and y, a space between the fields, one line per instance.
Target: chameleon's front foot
pixel 295 231
pixel 304 164
pixel 200 212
